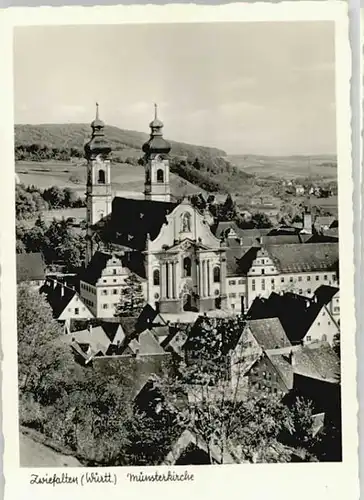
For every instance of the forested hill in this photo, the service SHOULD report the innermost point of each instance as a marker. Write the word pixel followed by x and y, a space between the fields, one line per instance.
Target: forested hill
pixel 74 135
pixel 208 168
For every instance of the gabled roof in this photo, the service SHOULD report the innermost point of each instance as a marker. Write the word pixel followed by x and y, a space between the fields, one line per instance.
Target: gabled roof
pixel 58 296
pixel 295 312
pixel 30 266
pixel 95 338
pixel 296 258
pixel 145 344
pixel 269 333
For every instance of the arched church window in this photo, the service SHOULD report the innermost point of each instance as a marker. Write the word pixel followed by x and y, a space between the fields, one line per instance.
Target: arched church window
pixel 156 280
pixel 216 274
pixel 187 267
pixel 160 175
pixel 186 223
pixel 101 179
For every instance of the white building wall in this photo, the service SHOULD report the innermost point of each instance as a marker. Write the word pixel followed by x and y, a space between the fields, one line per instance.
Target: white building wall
pixel 323 329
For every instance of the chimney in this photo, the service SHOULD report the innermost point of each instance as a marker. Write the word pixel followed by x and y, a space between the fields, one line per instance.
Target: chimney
pixel 308 303
pixel 62 290
pixel 54 284
pixel 291 358
pixel 89 328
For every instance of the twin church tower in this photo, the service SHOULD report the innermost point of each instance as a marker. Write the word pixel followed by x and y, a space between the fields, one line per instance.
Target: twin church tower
pixel 97 153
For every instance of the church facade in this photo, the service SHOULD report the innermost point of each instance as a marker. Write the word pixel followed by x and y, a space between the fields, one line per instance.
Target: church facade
pixel 168 245
pixel 181 263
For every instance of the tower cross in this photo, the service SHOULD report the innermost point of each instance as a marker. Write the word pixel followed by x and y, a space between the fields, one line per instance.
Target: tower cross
pixel 97 111
pixel 155 111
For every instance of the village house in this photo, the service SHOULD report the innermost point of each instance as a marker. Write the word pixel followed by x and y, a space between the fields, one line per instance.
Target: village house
pixel 304 320
pixel 65 301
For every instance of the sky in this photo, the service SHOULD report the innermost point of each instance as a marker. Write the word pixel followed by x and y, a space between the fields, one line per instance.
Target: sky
pixel 247 88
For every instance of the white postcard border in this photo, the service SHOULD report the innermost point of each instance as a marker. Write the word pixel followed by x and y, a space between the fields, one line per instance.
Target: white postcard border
pixel 324 481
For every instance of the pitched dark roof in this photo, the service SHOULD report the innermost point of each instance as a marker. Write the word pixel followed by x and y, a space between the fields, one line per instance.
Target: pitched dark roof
pixel 97 264
pixel 239 266
pixel 295 312
pixel 269 333
pixel 298 258
pixel 58 297
pixel 30 266
pixel 132 220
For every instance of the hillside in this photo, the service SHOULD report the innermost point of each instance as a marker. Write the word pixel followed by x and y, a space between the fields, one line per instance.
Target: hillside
pixel 205 167
pixel 76 134
pixel 288 167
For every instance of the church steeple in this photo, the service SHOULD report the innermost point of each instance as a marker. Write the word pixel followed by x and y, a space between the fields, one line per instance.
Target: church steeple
pixel 156 144
pixel 156 162
pixel 98 186
pixel 98 144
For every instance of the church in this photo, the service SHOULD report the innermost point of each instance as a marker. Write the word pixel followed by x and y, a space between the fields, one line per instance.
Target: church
pixel 169 245
pixel 183 261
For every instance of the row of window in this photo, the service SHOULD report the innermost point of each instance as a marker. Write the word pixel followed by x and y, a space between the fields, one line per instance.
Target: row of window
pixel 107 306
pixel 88 288
pixel 239 282
pixel 233 295
pixel 76 310
pixel 113 291
pixel 323 337
pixel 88 302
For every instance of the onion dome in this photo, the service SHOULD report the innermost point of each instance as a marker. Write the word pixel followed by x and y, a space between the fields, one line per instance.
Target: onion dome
pixel 156 144
pixel 98 144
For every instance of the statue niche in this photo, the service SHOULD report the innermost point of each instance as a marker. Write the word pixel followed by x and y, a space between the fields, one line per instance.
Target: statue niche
pixel 186 223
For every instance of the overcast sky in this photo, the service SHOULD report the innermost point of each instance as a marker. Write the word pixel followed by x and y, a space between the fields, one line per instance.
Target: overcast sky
pixel 265 88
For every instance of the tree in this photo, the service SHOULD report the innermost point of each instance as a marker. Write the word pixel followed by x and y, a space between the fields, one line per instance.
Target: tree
pixel 228 211
pixel 261 220
pixel 131 297
pixel 55 196
pixel 218 405
pixel 44 363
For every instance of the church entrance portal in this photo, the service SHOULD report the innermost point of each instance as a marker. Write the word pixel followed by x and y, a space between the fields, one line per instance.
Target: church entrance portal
pixel 187 302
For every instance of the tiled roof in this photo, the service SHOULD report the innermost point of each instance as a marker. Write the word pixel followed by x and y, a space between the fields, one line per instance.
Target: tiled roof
pixel 295 312
pixel 269 333
pixel 317 361
pixel 133 372
pixel 146 344
pixel 132 220
pixel 30 266
pixel 298 258
pixel 96 338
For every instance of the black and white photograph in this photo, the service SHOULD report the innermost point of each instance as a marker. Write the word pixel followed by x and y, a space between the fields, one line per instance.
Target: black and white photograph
pixel 179 284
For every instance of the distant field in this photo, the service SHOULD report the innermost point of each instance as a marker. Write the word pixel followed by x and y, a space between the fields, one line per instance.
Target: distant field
pixel 125 177
pixel 287 167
